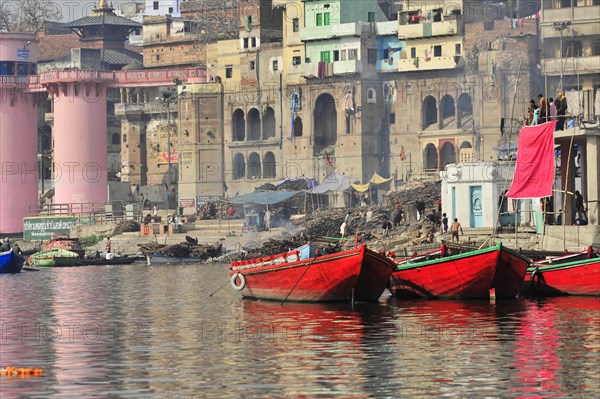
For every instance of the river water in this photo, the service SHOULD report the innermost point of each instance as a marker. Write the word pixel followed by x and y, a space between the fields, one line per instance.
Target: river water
pixel 142 331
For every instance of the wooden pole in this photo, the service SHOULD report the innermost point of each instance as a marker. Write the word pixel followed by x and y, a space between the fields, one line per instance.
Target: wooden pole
pixel 566 192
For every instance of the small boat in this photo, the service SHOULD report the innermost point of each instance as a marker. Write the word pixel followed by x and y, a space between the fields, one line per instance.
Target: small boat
pixel 66 243
pixel 158 259
pixel 471 274
pixel 579 277
pixel 302 276
pixel 54 258
pixel 11 262
pixel 118 260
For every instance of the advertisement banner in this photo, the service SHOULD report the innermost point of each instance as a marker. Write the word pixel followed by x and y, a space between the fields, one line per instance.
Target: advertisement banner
pixel 44 227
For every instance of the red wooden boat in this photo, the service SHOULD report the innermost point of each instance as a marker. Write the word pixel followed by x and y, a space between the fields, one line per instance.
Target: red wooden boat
pixel 471 274
pixel 355 275
pixel 580 277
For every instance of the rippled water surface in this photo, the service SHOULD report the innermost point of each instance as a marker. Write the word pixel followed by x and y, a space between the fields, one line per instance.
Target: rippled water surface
pixel 157 332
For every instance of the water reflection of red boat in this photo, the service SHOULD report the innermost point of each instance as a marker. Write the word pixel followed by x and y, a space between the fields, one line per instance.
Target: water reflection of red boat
pixel 580 277
pixel 355 275
pixel 470 274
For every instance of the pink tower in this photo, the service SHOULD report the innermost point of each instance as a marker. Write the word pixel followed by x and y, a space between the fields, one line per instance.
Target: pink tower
pixel 18 130
pixel 80 158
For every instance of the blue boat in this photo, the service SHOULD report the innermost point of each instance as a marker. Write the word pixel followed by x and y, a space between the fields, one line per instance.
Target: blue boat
pixel 11 262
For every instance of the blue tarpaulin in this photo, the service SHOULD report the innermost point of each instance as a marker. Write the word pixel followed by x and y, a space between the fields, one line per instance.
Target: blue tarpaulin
pixel 264 197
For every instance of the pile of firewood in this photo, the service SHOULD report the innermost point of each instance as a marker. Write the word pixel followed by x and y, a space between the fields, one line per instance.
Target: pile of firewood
pixel 126 226
pixel 216 209
pixel 182 250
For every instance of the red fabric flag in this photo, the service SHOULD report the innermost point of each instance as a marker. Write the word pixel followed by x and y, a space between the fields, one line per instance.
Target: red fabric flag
pixel 328 159
pixel 534 173
pixel 402 154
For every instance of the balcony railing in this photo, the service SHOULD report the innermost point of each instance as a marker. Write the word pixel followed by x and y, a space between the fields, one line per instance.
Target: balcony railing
pixel 433 63
pixel 571 66
pixel 340 68
pixel 330 31
pixel 430 29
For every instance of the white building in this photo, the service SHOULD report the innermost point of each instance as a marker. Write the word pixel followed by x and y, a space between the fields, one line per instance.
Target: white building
pixel 162 7
pixel 473 193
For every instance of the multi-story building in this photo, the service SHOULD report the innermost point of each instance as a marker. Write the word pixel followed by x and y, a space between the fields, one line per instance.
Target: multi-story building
pixel 162 7
pixel 570 62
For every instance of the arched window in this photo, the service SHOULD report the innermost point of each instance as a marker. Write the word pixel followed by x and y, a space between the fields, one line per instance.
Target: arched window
pixel 254 166
pixel 465 109
pixel 298 127
pixel 371 99
pixel 269 123
pixel 239 167
pixel 447 111
pixel 431 157
pixel 447 154
pixel 429 112
pixel 253 124
pixel 239 125
pixel 269 171
pixel 325 122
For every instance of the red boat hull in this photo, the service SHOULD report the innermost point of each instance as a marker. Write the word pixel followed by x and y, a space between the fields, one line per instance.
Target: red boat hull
pixel 468 275
pixel 359 274
pixel 573 278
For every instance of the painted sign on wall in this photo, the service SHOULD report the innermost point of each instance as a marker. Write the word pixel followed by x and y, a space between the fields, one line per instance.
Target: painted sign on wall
pixel 43 227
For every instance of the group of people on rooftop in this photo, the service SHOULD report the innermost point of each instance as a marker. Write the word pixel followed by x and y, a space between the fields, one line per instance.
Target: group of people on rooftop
pixel 548 110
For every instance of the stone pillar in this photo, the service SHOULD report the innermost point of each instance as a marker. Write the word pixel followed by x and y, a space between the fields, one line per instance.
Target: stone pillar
pixel 592 166
pixel 18 157
pixel 456 114
pixel 567 167
pixel 439 121
pixel 80 145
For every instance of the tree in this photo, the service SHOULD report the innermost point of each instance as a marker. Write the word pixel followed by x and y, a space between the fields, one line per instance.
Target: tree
pixel 27 15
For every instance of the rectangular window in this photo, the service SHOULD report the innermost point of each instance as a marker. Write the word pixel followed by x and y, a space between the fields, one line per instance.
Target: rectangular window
pixel 245 42
pixel 386 54
pixel 343 55
pixel 413 52
pixel 155 5
pixel 248 23
pixel 170 10
pixel 325 56
pixel 319 19
pixel 457 49
pixel 371 17
pixel 392 118
pixel 297 60
pixel 336 55
pixel 326 19
pixel 295 25
pixel 372 55
pixel 253 42
pixel 252 65
pixel 437 51
pixel 228 72
pixel 157 57
pixel 275 65
pixel 352 54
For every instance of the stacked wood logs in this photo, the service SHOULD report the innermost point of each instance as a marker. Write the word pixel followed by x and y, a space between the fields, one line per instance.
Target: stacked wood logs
pixel 182 250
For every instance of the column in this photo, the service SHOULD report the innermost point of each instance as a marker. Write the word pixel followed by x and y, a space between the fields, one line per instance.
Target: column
pixel 80 144
pixel 592 166
pixel 18 157
pixel 567 176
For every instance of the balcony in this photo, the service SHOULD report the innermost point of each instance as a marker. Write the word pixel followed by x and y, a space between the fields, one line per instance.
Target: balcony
pixel 434 63
pixel 339 68
pixel 330 31
pixel 571 66
pixel 564 14
pixel 153 107
pixel 430 29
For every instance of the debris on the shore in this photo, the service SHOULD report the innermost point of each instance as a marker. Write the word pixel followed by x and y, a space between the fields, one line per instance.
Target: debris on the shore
pixel 126 226
pixel 183 250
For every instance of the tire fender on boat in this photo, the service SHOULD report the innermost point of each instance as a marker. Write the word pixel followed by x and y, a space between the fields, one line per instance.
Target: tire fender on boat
pixel 537 279
pixel 242 281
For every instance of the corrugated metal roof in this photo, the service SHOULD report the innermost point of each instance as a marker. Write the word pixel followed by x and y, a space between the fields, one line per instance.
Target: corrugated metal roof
pixel 112 57
pixel 106 19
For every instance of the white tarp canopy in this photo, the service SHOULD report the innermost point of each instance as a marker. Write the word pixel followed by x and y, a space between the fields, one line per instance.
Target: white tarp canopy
pixel 334 182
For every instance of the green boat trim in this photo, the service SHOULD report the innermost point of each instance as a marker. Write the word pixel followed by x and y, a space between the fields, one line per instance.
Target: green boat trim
pixel 409 265
pixel 550 267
